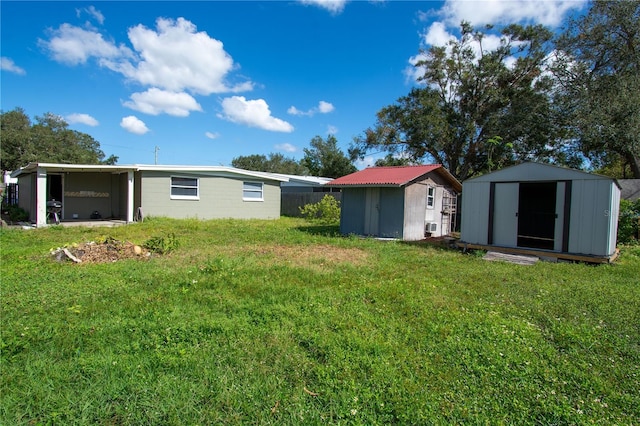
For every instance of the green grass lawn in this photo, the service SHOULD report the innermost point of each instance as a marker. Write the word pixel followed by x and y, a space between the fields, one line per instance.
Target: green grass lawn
pixel 281 322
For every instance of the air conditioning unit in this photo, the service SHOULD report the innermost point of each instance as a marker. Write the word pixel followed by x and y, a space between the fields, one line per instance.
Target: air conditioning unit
pixel 431 227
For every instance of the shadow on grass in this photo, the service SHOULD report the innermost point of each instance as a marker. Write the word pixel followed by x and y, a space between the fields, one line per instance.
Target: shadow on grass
pixel 440 244
pixel 321 230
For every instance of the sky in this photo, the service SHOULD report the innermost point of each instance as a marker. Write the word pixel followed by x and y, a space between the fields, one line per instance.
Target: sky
pixel 203 82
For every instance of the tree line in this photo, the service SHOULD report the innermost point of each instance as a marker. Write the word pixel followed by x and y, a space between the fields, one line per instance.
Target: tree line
pixel 572 99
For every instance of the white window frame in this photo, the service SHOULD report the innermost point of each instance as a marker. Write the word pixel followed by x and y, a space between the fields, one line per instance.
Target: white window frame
pixel 431 197
pixel 184 197
pixel 247 188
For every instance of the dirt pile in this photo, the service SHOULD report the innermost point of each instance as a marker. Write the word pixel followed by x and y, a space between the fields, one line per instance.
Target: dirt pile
pixel 111 250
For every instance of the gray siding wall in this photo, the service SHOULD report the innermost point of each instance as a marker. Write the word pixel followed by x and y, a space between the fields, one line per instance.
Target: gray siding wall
pixel 475 212
pixel 593 217
pixel 391 220
pixel 219 197
pixel 352 211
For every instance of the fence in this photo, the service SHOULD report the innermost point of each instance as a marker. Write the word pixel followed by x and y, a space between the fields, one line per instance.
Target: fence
pixel 292 201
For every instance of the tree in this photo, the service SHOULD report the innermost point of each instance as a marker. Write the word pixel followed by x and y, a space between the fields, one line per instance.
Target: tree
pixel 324 158
pixel 390 160
pixel 480 109
pixel 599 74
pixel 48 140
pixel 276 163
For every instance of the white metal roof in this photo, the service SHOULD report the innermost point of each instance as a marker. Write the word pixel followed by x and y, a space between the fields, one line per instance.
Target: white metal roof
pixel 211 170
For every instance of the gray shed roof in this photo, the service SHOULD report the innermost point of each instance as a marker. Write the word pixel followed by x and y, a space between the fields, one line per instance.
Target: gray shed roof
pixel 530 171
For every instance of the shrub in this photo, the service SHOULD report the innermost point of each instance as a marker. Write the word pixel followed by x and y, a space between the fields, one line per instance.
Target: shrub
pixel 162 244
pixel 326 211
pixel 15 213
pixel 628 221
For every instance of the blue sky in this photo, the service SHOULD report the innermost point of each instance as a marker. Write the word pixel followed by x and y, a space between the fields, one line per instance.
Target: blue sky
pixel 207 81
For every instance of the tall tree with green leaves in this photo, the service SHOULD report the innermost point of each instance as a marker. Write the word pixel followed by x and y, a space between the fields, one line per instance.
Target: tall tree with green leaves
pixel 275 163
pixel 598 69
pixel 479 110
pixel 324 158
pixel 49 140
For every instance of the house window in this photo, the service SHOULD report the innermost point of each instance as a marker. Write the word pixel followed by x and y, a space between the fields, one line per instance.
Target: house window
pixel 183 188
pixel 431 191
pixel 252 191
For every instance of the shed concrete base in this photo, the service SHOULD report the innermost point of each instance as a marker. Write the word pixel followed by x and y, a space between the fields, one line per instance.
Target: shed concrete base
pixel 542 253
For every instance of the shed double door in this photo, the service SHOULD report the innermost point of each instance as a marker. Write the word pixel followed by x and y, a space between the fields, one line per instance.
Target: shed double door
pixel 525 214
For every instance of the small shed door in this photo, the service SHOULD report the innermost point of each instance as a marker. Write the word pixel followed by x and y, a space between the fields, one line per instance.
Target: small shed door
pixel 537 215
pixel 372 211
pixel 505 216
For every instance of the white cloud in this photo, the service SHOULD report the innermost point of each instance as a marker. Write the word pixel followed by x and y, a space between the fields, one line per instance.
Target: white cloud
pixel 155 101
pixel 252 113
pixel 368 161
pixel 481 12
pixel 333 6
pixel 176 57
pixel 211 135
pixel 82 119
pixel 295 111
pixel 74 45
pixel 93 12
pixel 323 108
pixel 286 147
pixel 133 124
pixel 332 130
pixel 437 35
pixel 7 64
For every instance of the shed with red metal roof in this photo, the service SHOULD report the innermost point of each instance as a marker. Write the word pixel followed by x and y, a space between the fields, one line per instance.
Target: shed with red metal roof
pixel 404 202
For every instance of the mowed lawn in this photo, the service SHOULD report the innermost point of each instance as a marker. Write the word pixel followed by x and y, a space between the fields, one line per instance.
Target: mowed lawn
pixel 283 322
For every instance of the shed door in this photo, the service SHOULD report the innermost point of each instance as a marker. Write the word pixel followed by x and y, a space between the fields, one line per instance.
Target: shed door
pixel 372 211
pixel 537 215
pixel 505 216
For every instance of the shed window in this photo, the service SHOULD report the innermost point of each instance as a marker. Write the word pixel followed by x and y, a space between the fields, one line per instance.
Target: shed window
pixel 183 188
pixel 430 197
pixel 252 191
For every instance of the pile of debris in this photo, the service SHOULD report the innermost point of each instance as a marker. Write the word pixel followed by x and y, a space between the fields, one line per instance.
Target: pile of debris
pixel 111 250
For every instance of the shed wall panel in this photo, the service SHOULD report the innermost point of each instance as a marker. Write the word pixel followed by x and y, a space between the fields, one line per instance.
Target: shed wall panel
pixel 613 219
pixel 591 218
pixel 505 214
pixel 391 213
pixel 352 211
pixel 415 208
pixel 475 212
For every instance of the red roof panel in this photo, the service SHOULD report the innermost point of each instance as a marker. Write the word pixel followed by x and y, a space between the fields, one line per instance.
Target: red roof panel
pixel 392 175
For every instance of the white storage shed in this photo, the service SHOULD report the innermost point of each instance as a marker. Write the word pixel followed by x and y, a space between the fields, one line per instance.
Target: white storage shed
pixel 542 209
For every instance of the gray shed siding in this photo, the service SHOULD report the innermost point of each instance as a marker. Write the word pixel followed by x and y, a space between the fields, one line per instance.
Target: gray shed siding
pixel 392 210
pixel 475 212
pixel 593 205
pixel 388 212
pixel 219 197
pixel 593 208
pixel 352 211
